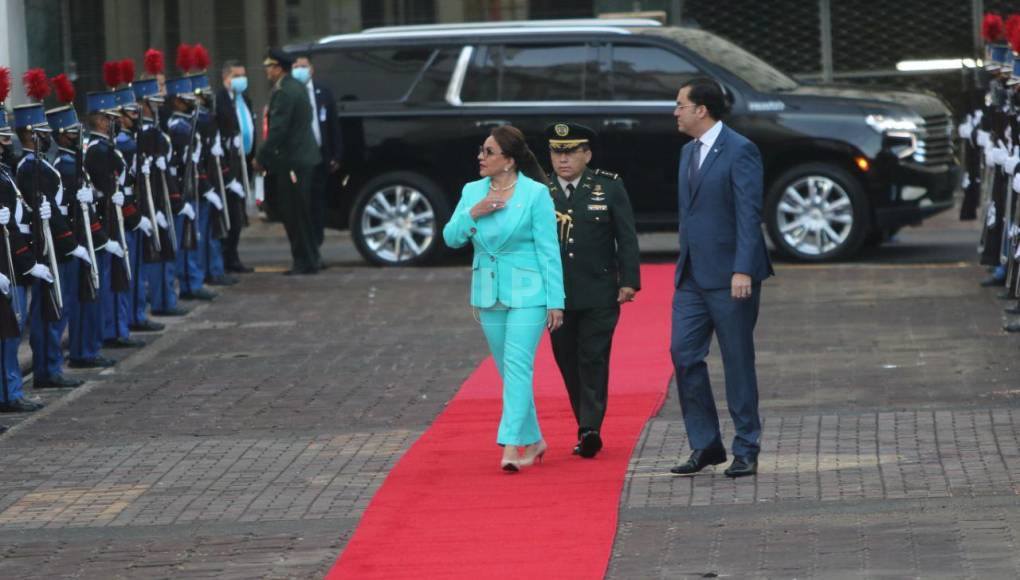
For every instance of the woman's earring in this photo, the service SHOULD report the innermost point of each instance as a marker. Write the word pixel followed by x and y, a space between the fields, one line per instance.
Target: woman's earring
pixel 506 169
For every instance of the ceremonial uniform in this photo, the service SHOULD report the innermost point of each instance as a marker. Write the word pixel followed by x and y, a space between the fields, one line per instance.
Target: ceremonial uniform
pixel 600 256
pixel 190 273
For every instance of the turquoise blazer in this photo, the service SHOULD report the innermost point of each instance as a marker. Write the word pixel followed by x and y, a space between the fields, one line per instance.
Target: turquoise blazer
pixel 522 269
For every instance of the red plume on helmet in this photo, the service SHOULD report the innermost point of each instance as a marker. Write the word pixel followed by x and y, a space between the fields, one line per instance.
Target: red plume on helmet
pixel 5 83
pixel 111 73
pixel 200 57
pixel 184 58
pixel 1013 32
pixel 63 88
pixel 127 70
pixel 992 28
pixel 37 86
pixel 153 61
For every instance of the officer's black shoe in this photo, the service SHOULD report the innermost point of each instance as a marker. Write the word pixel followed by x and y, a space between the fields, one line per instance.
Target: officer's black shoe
pixel 577 449
pixel 99 362
pixel 57 382
pixel 742 467
pixel 200 294
pixel 21 405
pixel 3 429
pixel 992 282
pixel 1014 310
pixel 700 459
pixel 1012 327
pixel 1006 295
pixel 238 268
pixel 222 281
pixel 147 326
pixel 590 444
pixel 175 311
pixel 123 342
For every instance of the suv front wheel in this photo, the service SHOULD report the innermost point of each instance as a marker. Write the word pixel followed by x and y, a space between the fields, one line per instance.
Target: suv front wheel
pixel 817 212
pixel 396 219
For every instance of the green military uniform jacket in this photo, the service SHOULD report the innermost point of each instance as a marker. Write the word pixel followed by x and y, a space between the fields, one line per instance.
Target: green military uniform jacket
pixel 597 240
pixel 290 143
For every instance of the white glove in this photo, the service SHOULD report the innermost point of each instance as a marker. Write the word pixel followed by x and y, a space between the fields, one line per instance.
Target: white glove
pixel 5 216
pixel 966 181
pixel 41 272
pixel 82 254
pixel 999 155
pixel 5 285
pixel 983 138
pixel 161 163
pixel 161 220
pixel 128 191
pixel 217 149
pixel 1016 183
pixel 44 210
pixel 145 224
pixel 990 222
pixel 966 128
pixel 84 195
pixel 214 199
pixel 237 142
pixel 187 211
pixel 114 247
pixel 147 166
pixel 236 187
pixel 1012 160
pixel 197 153
pixel 118 199
pixel 978 115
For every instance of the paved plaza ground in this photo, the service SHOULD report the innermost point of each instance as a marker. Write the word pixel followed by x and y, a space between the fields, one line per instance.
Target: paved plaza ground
pixel 247 439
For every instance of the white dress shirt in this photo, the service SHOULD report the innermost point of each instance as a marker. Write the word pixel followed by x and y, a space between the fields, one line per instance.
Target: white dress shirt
pixel 563 184
pixel 315 112
pixel 708 141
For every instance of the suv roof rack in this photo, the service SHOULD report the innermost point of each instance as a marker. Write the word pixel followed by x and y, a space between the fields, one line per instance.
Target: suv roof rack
pixel 623 22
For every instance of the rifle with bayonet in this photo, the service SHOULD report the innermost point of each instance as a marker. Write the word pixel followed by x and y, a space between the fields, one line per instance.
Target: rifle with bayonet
pixel 120 270
pixel 53 300
pixel 89 290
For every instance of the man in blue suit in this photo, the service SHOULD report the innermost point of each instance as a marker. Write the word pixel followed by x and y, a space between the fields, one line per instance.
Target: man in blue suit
pixel 723 261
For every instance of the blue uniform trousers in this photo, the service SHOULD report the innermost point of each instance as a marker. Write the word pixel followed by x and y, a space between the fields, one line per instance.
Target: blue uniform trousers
pixel 45 337
pixel 115 305
pixel 513 335
pixel 162 293
pixel 86 322
pixel 10 371
pixel 138 297
pixel 190 274
pixel 213 258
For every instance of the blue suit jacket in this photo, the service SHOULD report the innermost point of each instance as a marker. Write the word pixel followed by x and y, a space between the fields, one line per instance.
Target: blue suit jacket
pixel 522 268
pixel 720 220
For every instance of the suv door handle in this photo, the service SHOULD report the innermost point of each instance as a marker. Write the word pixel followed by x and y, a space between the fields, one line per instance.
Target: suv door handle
pixel 487 123
pixel 626 124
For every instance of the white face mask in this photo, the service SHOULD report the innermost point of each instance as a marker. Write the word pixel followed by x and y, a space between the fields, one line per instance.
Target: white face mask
pixel 301 73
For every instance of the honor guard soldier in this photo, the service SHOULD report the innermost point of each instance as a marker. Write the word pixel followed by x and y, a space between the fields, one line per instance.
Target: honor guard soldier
pixel 18 263
pixel 104 168
pixel 601 271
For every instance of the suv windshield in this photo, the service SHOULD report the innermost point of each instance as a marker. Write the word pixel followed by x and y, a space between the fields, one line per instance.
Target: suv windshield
pixel 754 71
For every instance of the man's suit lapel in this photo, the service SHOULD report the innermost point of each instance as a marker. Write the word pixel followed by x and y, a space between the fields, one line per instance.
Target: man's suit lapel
pixel 706 165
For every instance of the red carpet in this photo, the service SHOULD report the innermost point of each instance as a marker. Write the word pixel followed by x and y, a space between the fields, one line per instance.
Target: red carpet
pixel 447 511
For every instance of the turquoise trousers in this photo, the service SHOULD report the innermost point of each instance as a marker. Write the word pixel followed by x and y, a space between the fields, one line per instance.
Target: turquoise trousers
pixel 513 335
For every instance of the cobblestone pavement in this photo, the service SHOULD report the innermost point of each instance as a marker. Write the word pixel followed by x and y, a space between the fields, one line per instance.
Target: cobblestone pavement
pixel 246 440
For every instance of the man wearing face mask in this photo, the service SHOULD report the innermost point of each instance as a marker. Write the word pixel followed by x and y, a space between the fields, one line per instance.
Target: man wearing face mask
pixel 327 135
pixel 237 126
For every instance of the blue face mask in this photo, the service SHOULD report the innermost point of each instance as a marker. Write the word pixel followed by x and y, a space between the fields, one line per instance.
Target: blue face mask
pixel 239 84
pixel 301 73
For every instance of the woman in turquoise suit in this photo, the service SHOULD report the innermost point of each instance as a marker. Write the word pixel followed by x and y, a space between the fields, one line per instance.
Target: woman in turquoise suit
pixel 516 279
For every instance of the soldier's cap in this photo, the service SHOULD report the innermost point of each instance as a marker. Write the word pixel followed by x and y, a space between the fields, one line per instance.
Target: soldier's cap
pixel 278 57
pixel 565 137
pixel 31 117
pixel 63 119
pixel 101 102
pixel 5 127
pixel 180 87
pixel 147 89
pixel 200 83
pixel 126 99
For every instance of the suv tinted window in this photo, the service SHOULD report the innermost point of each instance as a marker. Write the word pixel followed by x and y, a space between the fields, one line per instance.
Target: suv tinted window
pixel 647 73
pixel 377 74
pixel 529 73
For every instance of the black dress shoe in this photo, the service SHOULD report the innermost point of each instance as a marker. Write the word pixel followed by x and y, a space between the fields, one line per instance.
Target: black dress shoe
pixel 222 281
pixel 1014 310
pixel 590 444
pixel 147 326
pixel 21 405
pixel 3 429
pixel 1012 327
pixel 239 268
pixel 1007 295
pixel 100 362
pixel 700 459
pixel 742 467
pixel 200 294
pixel 992 281
pixel 577 449
pixel 123 342
pixel 57 382
pixel 175 311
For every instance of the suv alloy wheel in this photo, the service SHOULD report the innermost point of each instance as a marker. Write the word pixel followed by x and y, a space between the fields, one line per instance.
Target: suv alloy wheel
pixel 396 220
pixel 817 212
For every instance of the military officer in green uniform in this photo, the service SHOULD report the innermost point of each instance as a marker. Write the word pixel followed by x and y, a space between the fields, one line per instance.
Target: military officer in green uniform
pixel 289 154
pixel 601 271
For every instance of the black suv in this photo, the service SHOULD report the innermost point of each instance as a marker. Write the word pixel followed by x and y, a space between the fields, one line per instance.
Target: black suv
pixel 843 166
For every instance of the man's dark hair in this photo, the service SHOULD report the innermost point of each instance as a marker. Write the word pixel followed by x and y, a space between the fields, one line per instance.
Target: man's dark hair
pixel 709 93
pixel 229 65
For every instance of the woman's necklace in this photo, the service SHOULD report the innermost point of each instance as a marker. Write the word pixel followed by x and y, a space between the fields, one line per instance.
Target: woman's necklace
pixel 505 188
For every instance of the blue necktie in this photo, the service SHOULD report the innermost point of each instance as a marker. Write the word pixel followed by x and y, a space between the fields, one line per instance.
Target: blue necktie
pixel 695 169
